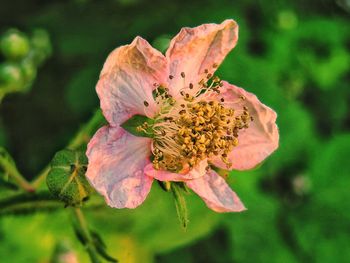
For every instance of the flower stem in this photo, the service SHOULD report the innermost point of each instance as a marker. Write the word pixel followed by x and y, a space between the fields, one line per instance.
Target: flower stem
pixel 25 203
pixel 43 201
pixel 82 137
pixel 84 134
pixel 85 236
pixel 41 177
pixel 10 168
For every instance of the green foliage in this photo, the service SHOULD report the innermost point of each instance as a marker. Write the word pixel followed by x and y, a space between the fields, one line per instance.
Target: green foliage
pixel 161 43
pixel 66 179
pixel 320 223
pixel 293 55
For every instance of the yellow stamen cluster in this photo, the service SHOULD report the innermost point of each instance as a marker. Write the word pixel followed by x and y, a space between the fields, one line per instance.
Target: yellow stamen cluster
pixel 202 130
pixel 190 129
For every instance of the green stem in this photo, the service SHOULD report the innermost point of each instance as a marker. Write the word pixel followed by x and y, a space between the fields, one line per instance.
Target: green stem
pixel 41 177
pixel 28 203
pixel 10 168
pixel 82 227
pixel 84 134
pixel 82 137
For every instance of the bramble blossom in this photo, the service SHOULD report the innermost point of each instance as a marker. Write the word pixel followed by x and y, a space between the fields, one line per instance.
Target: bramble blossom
pixel 198 120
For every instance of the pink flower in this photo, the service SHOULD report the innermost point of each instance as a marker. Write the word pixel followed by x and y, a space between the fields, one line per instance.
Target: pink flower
pixel 198 120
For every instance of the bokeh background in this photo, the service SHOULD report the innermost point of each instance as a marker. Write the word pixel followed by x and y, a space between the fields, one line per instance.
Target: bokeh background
pixel 295 55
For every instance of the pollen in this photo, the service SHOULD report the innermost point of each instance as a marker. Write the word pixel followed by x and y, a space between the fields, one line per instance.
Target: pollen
pixel 193 127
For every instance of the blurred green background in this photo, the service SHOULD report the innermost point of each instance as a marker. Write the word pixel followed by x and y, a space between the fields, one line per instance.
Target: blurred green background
pixel 295 55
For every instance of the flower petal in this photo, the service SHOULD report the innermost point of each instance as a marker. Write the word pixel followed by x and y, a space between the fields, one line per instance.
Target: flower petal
pixel 260 139
pixel 127 80
pixel 163 175
pixel 216 193
pixel 195 49
pixel 116 163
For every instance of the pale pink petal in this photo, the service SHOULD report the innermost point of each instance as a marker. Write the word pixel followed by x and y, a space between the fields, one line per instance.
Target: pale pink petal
pixel 259 140
pixel 195 49
pixel 116 163
pixel 127 80
pixel 216 193
pixel 163 175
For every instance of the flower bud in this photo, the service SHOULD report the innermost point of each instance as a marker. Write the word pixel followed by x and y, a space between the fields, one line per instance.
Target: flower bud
pixel 14 44
pixel 28 70
pixel 41 46
pixel 10 73
pixel 66 179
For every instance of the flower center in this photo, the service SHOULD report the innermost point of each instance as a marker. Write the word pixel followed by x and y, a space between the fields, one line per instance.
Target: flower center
pixel 195 127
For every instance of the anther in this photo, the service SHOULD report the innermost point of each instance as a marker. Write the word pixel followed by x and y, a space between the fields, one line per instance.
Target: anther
pixel 197 130
pixel 171 76
pixel 216 79
pixel 191 86
pixel 146 103
pixel 215 65
pixel 206 71
pixel 209 76
pixel 201 82
pixel 182 74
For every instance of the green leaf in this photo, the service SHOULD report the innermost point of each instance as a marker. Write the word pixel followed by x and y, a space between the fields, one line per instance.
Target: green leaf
pixel 66 179
pixel 180 203
pixel 79 234
pixel 138 120
pixel 101 247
